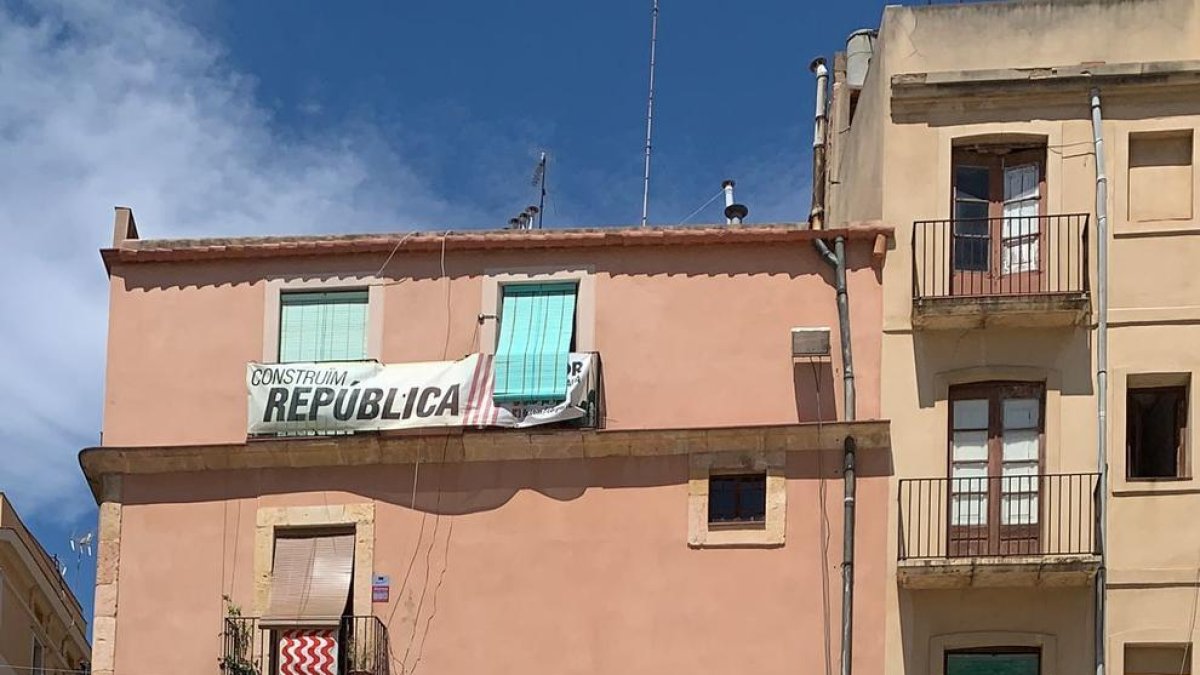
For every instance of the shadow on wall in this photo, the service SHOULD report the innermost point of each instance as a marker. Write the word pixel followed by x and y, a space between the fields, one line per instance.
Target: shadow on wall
pixel 1066 351
pixel 1059 620
pixel 814 385
pixel 794 261
pixel 464 487
pixel 1077 109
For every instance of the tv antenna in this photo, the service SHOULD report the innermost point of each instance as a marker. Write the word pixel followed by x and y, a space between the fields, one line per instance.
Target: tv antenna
pixel 82 546
pixel 539 181
pixel 649 113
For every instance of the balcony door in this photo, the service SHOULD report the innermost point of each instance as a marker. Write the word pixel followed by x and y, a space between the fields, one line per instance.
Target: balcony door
pixel 998 243
pixel 995 447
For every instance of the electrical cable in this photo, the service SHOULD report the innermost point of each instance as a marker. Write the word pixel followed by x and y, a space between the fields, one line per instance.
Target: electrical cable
pixel 702 206
pixel 393 253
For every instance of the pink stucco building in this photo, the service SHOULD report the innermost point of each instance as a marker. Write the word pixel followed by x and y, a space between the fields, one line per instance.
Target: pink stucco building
pixel 679 511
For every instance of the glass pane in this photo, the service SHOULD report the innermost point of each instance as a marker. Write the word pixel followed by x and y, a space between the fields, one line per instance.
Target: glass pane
pixel 968 509
pixel 971 182
pixel 1020 445
pixel 970 218
pixel 970 446
pixel 971 414
pixel 1023 476
pixel 1021 182
pixel 1021 509
pixel 1021 413
pixel 722 500
pixel 968 476
pixel 980 663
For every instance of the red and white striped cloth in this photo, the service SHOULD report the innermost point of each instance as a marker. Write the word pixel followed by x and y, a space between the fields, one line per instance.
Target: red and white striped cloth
pixel 481 411
pixel 308 652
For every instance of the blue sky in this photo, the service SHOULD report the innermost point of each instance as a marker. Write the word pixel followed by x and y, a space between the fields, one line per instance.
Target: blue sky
pixel 310 116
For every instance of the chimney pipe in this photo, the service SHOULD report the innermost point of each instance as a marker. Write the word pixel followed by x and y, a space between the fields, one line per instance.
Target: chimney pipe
pixel 816 216
pixel 734 213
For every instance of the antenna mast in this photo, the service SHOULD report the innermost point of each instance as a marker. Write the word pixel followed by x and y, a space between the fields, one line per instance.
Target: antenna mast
pixel 539 181
pixel 649 114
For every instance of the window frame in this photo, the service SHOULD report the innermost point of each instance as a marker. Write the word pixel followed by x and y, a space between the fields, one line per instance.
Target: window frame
pixel 995 651
pixel 272 310
pixel 37 648
pixel 491 298
pixel 739 479
pixel 994 157
pixel 995 392
pixel 366 329
pixel 1182 465
pixel 773 531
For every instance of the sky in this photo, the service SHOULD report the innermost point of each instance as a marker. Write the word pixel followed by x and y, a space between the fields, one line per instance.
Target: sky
pixel 269 117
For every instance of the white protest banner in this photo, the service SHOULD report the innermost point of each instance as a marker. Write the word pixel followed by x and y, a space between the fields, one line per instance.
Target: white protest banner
pixel 369 396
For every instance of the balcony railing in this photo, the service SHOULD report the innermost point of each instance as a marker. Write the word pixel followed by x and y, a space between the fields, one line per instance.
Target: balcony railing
pixel 249 649
pixel 998 516
pixel 1009 256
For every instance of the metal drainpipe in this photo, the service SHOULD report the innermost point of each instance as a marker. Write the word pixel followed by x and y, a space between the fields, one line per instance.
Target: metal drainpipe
pixel 837 260
pixel 1101 376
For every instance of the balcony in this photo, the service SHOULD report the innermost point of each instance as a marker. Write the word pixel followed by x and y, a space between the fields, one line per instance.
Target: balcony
pixel 357 646
pixel 1027 271
pixel 1016 530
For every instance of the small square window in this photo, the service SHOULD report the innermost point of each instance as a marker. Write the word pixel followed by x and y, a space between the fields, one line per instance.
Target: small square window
pixel 1155 438
pixel 737 499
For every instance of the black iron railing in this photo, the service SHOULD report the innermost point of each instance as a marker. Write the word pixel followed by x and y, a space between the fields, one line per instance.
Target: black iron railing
pixel 1031 515
pixel 1010 256
pixel 250 649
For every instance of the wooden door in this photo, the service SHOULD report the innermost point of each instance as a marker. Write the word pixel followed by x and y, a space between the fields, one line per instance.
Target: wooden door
pixel 995 455
pixel 997 242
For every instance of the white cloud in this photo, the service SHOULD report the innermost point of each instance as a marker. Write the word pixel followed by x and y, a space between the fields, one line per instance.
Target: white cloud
pixel 124 103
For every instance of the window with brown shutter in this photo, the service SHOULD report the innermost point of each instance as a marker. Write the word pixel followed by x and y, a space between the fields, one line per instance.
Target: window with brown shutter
pixel 310 581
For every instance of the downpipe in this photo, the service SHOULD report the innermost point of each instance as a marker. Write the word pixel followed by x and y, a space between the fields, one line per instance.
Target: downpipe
pixel 837 260
pixel 1101 378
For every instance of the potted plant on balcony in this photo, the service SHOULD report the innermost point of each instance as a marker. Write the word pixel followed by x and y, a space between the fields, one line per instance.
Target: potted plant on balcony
pixel 238 638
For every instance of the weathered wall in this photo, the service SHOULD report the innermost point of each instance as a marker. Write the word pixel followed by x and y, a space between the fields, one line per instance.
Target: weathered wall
pixel 708 326
pixel 1153 285
pixel 569 566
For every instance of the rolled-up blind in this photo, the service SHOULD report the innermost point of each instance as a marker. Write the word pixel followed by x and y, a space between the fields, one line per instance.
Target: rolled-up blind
pixel 323 326
pixel 537 322
pixel 310 581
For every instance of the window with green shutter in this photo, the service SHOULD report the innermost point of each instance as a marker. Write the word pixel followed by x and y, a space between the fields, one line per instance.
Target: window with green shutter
pixel 323 326
pixel 997 661
pixel 537 327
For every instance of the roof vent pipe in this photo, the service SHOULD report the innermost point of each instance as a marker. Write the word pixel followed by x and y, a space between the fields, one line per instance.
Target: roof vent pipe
pixel 816 216
pixel 734 213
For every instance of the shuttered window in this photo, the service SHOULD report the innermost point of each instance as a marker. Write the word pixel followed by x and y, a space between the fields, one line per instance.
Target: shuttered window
pixel 537 324
pixel 310 581
pixel 323 326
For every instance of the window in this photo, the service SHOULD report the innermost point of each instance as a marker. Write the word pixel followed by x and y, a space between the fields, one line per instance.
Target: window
pixel 323 326
pixel 310 580
pixel 1160 176
pixel 1158 659
pixel 998 194
pixel 994 661
pixel 1155 438
pixel 37 660
pixel 995 458
pixel 537 332
pixel 737 499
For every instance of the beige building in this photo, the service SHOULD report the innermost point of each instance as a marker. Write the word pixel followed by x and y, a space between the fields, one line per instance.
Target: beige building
pixel 41 624
pixel 971 133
